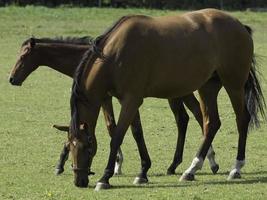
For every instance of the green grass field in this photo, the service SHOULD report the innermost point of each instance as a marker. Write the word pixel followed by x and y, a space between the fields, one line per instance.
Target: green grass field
pixel 29 147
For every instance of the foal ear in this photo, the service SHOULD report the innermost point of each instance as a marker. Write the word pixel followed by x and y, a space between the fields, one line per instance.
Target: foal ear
pixel 32 42
pixel 61 128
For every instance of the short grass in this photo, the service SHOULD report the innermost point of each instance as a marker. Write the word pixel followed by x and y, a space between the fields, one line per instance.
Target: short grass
pixel 29 147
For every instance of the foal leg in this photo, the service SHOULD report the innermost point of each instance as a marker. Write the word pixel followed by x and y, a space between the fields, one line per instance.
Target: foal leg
pixel 192 103
pixel 237 98
pixel 62 159
pixel 129 108
pixel 138 135
pixel 108 112
pixel 211 123
pixel 181 118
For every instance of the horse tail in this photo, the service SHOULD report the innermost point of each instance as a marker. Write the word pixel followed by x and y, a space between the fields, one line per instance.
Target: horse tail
pixel 254 98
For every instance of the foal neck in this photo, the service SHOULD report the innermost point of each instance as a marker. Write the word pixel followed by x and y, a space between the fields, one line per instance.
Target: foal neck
pixel 61 57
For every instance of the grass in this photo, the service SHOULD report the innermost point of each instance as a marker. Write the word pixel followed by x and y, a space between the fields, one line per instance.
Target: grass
pixel 30 147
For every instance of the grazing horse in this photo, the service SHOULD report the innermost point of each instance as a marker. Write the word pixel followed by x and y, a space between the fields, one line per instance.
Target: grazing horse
pixel 164 57
pixel 64 55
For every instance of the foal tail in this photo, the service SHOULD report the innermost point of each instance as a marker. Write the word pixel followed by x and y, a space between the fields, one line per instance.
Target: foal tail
pixel 253 93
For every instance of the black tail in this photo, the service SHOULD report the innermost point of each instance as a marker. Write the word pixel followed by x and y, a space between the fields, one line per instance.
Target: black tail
pixel 253 93
pixel 254 97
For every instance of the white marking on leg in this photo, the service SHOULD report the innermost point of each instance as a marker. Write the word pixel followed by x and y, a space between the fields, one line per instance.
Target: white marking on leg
pixel 211 157
pixel 236 169
pixel 118 164
pixel 196 164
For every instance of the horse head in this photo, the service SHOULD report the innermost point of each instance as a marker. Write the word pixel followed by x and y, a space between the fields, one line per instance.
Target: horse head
pixel 25 63
pixel 83 147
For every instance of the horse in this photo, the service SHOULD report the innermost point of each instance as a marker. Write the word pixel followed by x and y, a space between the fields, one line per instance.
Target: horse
pixel 164 57
pixel 64 55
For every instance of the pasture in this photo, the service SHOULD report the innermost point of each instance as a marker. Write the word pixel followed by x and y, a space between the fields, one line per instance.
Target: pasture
pixel 30 147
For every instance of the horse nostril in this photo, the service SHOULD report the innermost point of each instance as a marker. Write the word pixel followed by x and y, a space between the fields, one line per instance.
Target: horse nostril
pixel 11 80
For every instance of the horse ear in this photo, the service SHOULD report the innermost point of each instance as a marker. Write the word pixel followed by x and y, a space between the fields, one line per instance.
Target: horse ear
pixel 32 42
pixel 61 128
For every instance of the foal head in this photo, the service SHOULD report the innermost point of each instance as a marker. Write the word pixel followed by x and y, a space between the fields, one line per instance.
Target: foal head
pixel 25 64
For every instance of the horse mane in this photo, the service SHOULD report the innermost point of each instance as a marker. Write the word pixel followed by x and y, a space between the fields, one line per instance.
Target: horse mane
pixel 62 40
pixel 95 51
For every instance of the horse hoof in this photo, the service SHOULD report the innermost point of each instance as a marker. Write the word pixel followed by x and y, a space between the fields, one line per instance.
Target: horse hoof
pixel 140 181
pixel 187 177
pixel 59 171
pixel 215 169
pixel 102 186
pixel 234 175
pixel 170 172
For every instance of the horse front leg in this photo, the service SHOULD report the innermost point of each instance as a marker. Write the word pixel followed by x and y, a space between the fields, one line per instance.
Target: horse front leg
pixel 129 108
pixel 62 159
pixel 138 135
pixel 108 112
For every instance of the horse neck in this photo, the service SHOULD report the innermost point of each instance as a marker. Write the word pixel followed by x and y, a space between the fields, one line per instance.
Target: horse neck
pixel 61 57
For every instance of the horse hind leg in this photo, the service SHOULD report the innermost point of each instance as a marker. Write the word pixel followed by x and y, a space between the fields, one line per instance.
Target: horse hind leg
pixel 181 118
pixel 212 162
pixel 211 124
pixel 192 103
pixel 237 98
pixel 118 164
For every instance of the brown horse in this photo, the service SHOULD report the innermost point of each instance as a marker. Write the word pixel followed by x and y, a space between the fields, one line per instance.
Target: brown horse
pixel 164 57
pixel 64 55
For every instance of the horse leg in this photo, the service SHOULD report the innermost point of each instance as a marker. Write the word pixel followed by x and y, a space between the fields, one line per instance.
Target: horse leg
pixel 108 112
pixel 181 118
pixel 237 98
pixel 62 159
pixel 211 123
pixel 193 105
pixel 137 132
pixel 129 108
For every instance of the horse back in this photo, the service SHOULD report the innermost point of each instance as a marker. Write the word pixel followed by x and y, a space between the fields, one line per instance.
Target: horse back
pixel 163 53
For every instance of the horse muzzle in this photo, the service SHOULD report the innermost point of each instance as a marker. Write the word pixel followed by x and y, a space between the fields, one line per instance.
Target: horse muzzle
pixel 81 182
pixel 14 82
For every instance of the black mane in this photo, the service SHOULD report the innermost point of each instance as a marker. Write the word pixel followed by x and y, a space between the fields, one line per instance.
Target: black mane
pixel 86 40
pixel 94 52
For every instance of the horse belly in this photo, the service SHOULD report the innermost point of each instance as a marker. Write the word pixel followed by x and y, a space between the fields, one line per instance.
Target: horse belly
pixel 178 82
